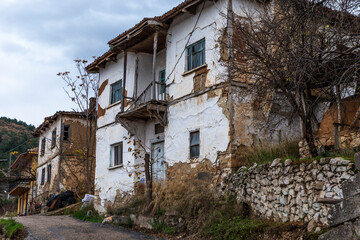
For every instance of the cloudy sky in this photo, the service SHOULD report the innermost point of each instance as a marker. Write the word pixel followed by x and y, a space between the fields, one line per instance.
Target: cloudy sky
pixel 39 38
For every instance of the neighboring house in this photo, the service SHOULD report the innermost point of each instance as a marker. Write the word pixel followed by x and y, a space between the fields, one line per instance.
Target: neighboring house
pixel 164 90
pixel 24 186
pixel 61 163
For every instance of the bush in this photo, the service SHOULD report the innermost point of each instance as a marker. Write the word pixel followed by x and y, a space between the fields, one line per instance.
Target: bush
pixel 12 227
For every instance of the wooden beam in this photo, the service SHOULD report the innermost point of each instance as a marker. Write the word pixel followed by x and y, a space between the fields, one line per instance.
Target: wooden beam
pixel 136 78
pixel 156 35
pixel 124 82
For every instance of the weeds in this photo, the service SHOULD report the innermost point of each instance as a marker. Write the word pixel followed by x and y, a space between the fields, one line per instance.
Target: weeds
pixel 264 154
pixel 12 227
pixel 89 214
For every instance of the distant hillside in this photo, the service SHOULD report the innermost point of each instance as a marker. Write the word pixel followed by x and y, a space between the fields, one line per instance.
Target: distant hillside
pixel 12 134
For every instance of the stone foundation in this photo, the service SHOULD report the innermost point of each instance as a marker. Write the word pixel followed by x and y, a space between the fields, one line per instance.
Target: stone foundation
pixel 299 192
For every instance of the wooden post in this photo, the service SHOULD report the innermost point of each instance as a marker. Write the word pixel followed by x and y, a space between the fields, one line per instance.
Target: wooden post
pixel 156 35
pixel 124 82
pixel 336 136
pixel 136 78
pixel 338 103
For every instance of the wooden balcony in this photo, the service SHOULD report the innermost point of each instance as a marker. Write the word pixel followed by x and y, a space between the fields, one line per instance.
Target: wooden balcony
pixel 150 104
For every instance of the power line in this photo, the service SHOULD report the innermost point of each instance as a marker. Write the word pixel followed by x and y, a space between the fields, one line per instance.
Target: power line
pixel 27 141
pixel 187 43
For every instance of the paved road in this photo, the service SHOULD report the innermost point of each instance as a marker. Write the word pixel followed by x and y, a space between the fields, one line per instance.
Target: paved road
pixel 66 227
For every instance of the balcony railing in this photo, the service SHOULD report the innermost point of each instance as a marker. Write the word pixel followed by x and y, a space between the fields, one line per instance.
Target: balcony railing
pixel 147 94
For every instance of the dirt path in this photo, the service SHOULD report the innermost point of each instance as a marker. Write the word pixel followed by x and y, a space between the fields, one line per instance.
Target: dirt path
pixel 66 227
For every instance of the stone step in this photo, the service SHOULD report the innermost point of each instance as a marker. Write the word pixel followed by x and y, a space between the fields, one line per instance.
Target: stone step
pixel 344 211
pixel 351 187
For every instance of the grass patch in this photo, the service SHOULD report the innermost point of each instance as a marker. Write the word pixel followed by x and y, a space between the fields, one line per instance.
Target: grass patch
pixel 236 228
pixel 265 154
pixel 12 227
pixel 89 214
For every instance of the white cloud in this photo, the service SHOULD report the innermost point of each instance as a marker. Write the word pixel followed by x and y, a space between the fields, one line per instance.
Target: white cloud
pixel 39 38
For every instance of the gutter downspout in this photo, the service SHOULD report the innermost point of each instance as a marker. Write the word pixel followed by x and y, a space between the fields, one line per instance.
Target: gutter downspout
pixel 60 154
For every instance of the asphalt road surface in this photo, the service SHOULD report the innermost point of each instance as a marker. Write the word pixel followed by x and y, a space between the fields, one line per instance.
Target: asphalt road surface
pixel 66 227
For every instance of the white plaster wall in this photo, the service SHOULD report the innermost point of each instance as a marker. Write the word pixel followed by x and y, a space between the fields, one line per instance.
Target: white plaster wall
pixel 210 25
pixel 108 180
pixel 201 114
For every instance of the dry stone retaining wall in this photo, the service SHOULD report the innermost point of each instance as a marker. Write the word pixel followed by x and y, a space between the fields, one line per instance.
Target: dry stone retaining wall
pixel 291 191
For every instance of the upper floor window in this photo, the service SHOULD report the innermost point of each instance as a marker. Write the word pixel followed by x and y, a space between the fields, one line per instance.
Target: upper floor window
pixel 49 173
pixel 66 133
pixel 196 55
pixel 116 90
pixel 194 144
pixel 162 87
pixel 42 176
pixel 53 138
pixel 117 154
pixel 42 151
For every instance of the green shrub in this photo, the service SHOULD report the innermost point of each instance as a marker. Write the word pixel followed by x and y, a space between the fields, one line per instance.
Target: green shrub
pixel 11 226
pixel 82 214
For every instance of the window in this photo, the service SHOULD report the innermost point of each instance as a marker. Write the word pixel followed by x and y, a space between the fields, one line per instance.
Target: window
pixel 48 173
pixel 66 133
pixel 196 55
pixel 42 151
pixel 116 91
pixel 194 144
pixel 159 128
pixel 117 154
pixel 162 88
pixel 43 176
pixel 53 138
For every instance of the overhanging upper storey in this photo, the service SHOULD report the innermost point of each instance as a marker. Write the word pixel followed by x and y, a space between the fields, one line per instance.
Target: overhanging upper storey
pixel 139 38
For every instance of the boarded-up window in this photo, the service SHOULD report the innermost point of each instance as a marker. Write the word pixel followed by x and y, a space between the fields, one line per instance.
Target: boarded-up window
pixel 159 128
pixel 194 144
pixel 43 142
pixel 53 138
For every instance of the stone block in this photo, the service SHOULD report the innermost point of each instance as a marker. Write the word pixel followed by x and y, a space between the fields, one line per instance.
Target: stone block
pixel 351 187
pixel 357 160
pixel 344 211
pixel 344 232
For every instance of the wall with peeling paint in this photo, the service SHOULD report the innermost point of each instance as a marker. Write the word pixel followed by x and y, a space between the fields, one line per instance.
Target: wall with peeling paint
pixel 207 112
pixel 72 174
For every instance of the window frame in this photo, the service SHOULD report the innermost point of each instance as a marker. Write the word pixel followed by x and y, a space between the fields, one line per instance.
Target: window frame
pixel 42 176
pixel 43 145
pixel 53 138
pixel 162 88
pixel 112 92
pixel 68 131
pixel 190 56
pixel 114 163
pixel 194 145
pixel 49 173
pixel 158 128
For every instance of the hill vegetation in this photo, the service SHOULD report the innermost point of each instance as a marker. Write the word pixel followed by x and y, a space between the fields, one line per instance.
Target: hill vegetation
pixel 16 136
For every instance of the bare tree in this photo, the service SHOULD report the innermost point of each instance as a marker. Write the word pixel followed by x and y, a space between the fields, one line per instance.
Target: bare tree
pixel 298 54
pixel 83 91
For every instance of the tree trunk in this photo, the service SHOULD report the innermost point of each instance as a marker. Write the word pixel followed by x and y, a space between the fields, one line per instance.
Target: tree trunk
pixel 309 137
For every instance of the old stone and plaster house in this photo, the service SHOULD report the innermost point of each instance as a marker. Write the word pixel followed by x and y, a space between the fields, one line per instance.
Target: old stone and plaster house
pixel 24 186
pixel 61 163
pixel 164 90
